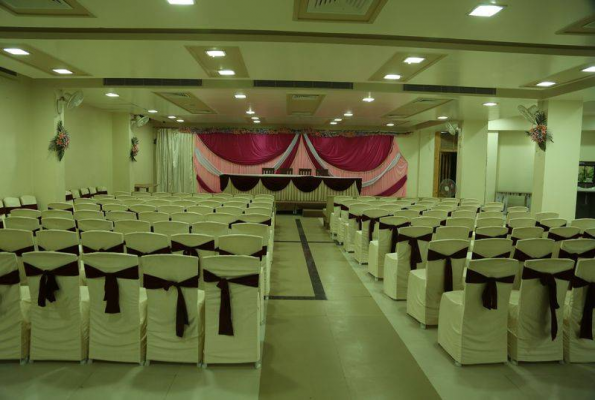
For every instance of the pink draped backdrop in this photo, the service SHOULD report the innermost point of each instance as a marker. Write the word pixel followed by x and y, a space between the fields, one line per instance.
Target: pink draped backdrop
pixel 396 176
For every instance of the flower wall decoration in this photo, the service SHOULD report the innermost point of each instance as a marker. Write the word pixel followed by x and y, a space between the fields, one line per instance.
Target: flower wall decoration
pixel 134 149
pixel 59 144
pixel 539 133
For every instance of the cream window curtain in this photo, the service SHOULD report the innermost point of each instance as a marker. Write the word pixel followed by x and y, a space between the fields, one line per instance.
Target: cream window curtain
pixel 175 168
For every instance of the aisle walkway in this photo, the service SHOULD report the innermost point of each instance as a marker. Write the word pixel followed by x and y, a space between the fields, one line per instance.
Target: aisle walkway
pixel 328 339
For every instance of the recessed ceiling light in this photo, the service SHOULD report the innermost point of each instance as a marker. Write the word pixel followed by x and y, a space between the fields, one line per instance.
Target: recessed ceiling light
pixel 152 111
pixel 486 10
pixel 368 99
pixel 112 95
pixel 390 124
pixel 490 104
pixel 414 60
pixel 589 69
pixel 240 96
pixel 215 53
pixel 333 122
pixel 17 52
pixel 392 77
pixel 338 119
pixel 62 71
pixel 226 72
pixel 172 117
pixel 181 2
pixel 255 118
pixel 348 114
pixel 443 117
pixel 179 120
pixel 546 84
pixel 256 121
pixel 250 112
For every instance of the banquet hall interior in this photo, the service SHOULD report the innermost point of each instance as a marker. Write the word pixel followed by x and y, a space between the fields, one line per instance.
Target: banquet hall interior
pixel 297 199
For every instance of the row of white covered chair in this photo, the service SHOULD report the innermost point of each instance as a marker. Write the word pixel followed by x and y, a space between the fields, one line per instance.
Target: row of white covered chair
pixel 124 316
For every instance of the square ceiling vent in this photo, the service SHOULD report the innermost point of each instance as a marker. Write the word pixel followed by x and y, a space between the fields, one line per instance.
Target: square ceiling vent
pixel 58 8
pixel 364 11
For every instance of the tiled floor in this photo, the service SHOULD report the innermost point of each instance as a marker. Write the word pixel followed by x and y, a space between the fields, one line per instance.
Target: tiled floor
pixel 357 344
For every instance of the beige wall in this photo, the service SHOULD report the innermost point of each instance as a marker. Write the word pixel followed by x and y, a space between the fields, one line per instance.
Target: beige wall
pixel 418 149
pixel 15 126
pixel 515 162
pixel 89 159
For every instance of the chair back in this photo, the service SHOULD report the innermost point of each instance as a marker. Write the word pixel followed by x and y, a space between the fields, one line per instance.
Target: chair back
pixel 12 346
pixel 114 207
pixel 170 209
pixel 169 339
pixel 187 217
pixel 486 222
pixel 532 232
pixel 141 208
pixel 583 223
pixel 56 320
pixel 58 240
pixel 153 217
pixel 464 214
pixel 115 322
pixel 244 345
pixel 240 245
pixel 517 209
pixel 101 241
pixel 444 274
pixel 221 217
pixel 260 230
pixel 469 208
pixel 452 232
pixel 405 251
pixel 546 215
pixel 193 244
pixel 439 214
pixel 230 210
pixel 426 221
pixel 521 222
pixel 25 223
pixel 550 223
pixel 491 248
pixel 258 210
pixel 60 206
pixel 577 249
pixel 468 223
pixel 214 229
pixel 87 214
pixel 495 204
pixel 86 207
pixel 25 212
pixel 490 214
pixel 56 214
pixel 257 218
pixel 85 225
pixel 171 227
pixel 131 226
pixel 62 224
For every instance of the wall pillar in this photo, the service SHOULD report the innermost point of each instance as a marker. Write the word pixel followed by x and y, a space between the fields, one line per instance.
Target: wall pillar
pixel 555 174
pixel 472 160
pixel 123 173
pixel 48 174
pixel 492 167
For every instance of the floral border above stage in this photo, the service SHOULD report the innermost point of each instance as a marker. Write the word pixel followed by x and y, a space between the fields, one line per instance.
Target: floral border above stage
pixel 288 131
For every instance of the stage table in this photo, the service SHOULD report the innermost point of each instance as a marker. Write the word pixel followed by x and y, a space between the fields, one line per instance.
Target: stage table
pixel 291 188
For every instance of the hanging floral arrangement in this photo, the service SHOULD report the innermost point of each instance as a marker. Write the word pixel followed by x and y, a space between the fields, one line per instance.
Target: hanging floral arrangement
pixel 539 133
pixel 59 144
pixel 134 149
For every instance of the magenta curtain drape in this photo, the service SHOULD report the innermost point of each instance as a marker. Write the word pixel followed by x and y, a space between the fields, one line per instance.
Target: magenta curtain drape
pixel 246 149
pixel 357 154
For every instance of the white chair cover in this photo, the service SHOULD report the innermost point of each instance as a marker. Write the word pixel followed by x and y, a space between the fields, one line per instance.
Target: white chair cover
pixel 222 217
pixel 56 214
pixel 244 345
pixel 488 222
pixel 446 260
pixel 170 209
pixel 87 214
pixel 17 241
pixel 230 210
pixel 531 249
pixel 63 224
pixel 187 217
pixel 380 246
pixel 583 223
pixel 14 309
pixel 58 240
pixel 24 223
pixel 452 232
pixel 86 206
pixel 200 209
pixel 579 346
pixel 153 217
pixel 25 212
pixel 468 330
pixel 59 328
pixel 563 233
pixel 141 208
pixel 531 322
pixel 362 238
pixel 468 223
pixel 214 229
pixel 131 226
pixel 95 225
pixel 171 228
pixel 464 214
pixel 398 265
pixel 117 323
pixel 114 207
pixel 120 216
pixel 170 339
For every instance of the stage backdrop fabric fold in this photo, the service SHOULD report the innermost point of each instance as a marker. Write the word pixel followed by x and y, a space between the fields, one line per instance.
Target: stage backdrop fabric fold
pixel 246 149
pixel 355 154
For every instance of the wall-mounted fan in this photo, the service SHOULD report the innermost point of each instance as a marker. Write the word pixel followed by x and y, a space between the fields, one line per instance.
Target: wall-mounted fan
pixel 140 120
pixel 529 113
pixel 453 129
pixel 448 188
pixel 70 100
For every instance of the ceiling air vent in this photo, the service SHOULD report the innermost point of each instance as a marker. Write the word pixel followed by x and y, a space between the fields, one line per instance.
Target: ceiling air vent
pixel 304 84
pixel 449 89
pixel 113 82
pixel 348 7
pixel 305 97
pixel 37 4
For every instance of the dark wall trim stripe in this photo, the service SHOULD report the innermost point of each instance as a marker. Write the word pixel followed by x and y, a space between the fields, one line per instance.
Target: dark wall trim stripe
pixel 8 71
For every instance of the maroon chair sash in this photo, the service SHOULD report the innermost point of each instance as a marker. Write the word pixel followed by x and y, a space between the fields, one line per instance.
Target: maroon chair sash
pixel 260 253
pixel 457 255
pixel 522 256
pixel 479 236
pixel 587 235
pixel 341 206
pixel 69 197
pixel 477 256
pixel 20 252
pixel 119 248
pixel 10 279
pixel 111 289
pixel 1 223
pixel 586 331
pixel 70 250
pixel 164 250
pixel 549 281
pixel 225 321
pixel 48 285
pixel 154 283
pixel 358 220
pixel 558 238
pixel 373 222
pixel 192 250
pixel 413 242
pixel 545 227
pixel 489 295
pixel 575 256
pixel 394 233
